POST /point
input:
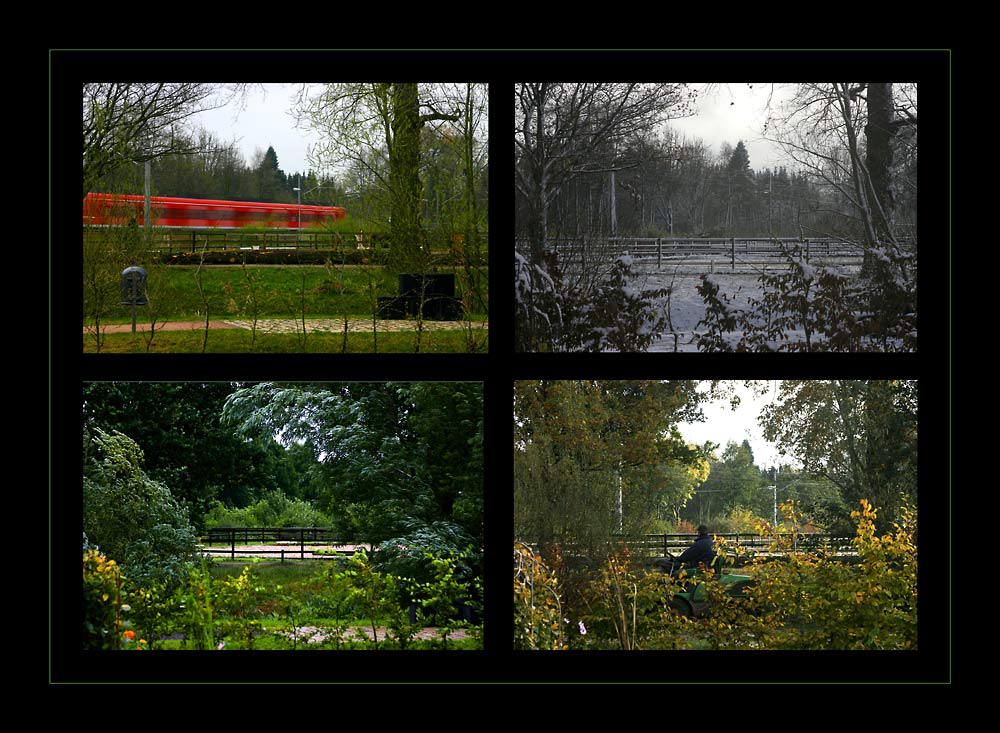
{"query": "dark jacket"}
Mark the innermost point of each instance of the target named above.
(701, 551)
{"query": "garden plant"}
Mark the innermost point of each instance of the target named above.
(808, 600)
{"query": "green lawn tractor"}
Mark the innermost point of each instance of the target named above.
(694, 599)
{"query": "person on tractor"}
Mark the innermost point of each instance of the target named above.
(702, 551)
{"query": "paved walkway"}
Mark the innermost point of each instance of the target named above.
(288, 325)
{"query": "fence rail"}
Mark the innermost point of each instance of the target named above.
(753, 545)
(300, 541)
(661, 544)
(734, 249)
(263, 535)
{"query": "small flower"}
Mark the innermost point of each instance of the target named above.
(130, 635)
(583, 629)
(221, 645)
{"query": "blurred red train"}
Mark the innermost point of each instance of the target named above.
(101, 209)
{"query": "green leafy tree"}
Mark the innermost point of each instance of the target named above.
(593, 460)
(861, 435)
(187, 447)
(377, 127)
(732, 481)
(395, 456)
(129, 516)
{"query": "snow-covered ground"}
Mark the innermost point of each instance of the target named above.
(686, 307)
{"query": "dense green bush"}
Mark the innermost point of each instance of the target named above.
(129, 516)
(274, 509)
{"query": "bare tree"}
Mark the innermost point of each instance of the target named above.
(126, 123)
(565, 130)
(845, 135)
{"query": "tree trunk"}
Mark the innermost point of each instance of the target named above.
(404, 179)
(878, 156)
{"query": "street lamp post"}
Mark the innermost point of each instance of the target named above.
(298, 191)
(774, 488)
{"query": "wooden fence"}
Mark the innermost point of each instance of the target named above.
(662, 544)
(754, 546)
(208, 240)
(265, 535)
(299, 541)
(734, 250)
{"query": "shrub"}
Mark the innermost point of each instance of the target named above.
(274, 509)
(876, 312)
(538, 620)
(101, 601)
(413, 554)
(820, 602)
(131, 517)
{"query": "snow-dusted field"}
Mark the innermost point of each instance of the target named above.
(686, 307)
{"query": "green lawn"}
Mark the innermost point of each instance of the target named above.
(269, 291)
(179, 293)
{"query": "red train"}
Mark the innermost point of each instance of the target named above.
(102, 209)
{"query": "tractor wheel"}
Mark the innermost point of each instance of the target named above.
(682, 606)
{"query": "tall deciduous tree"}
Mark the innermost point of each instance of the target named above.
(596, 460)
(861, 435)
(733, 481)
(377, 127)
(397, 457)
(565, 130)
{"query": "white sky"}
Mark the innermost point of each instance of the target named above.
(265, 121)
(722, 425)
(728, 113)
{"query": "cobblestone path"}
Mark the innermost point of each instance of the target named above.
(336, 325)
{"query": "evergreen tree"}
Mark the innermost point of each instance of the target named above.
(739, 161)
(269, 179)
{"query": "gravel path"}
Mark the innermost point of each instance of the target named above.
(291, 550)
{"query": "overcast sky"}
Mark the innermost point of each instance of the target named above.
(265, 121)
(726, 113)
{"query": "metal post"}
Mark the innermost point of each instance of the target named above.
(146, 224)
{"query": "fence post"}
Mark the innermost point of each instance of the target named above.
(232, 544)
(302, 544)
(659, 252)
(734, 253)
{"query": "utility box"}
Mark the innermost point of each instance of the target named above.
(134, 286)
